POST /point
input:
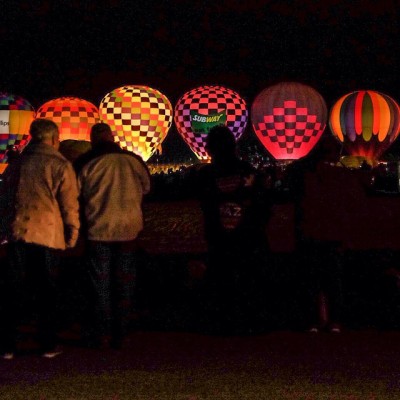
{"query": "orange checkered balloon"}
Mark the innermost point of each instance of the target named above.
(140, 118)
(74, 116)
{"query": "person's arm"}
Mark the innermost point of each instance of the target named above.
(69, 205)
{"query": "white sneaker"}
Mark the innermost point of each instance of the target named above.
(7, 356)
(52, 353)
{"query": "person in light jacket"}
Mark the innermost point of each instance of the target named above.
(112, 184)
(40, 215)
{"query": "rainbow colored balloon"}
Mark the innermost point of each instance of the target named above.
(16, 115)
(74, 116)
(365, 122)
(140, 118)
(289, 119)
(198, 110)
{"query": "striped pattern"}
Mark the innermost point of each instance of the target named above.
(366, 122)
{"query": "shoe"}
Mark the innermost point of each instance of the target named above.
(52, 353)
(335, 328)
(313, 329)
(7, 356)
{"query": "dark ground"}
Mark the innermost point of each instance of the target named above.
(175, 344)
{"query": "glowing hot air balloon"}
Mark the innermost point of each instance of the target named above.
(16, 115)
(74, 116)
(204, 107)
(289, 119)
(365, 122)
(140, 118)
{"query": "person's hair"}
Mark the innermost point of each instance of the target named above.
(220, 141)
(101, 132)
(43, 129)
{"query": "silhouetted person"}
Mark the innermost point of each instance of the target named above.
(112, 184)
(40, 207)
(318, 239)
(236, 209)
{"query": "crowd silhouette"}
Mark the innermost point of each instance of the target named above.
(235, 286)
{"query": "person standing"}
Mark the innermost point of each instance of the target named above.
(112, 184)
(40, 215)
(236, 205)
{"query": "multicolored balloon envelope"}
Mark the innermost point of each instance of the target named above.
(366, 122)
(139, 116)
(74, 116)
(16, 115)
(198, 110)
(289, 119)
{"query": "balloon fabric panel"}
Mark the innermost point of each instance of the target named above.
(203, 107)
(74, 116)
(366, 122)
(139, 116)
(16, 115)
(288, 119)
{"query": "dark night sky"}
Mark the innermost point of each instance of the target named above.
(85, 49)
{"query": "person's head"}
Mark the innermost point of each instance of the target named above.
(220, 142)
(100, 133)
(45, 131)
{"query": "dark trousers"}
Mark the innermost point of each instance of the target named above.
(112, 274)
(235, 281)
(29, 274)
(323, 272)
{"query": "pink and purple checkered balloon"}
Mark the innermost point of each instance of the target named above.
(198, 110)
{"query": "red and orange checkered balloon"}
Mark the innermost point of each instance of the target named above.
(74, 116)
(198, 110)
(16, 115)
(289, 119)
(139, 116)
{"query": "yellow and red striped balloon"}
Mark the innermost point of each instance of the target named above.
(74, 116)
(365, 122)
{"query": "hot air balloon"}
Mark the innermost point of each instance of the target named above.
(198, 110)
(365, 122)
(74, 116)
(289, 119)
(16, 115)
(140, 118)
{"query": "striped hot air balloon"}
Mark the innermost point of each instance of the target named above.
(289, 119)
(16, 115)
(198, 110)
(74, 116)
(365, 122)
(139, 116)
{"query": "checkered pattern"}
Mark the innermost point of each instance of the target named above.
(16, 115)
(139, 116)
(290, 126)
(289, 118)
(74, 117)
(209, 100)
